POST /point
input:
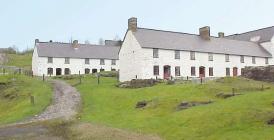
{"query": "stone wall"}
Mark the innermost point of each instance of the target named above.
(259, 73)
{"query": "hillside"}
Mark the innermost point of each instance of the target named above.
(20, 60)
(239, 117)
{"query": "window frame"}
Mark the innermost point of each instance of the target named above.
(156, 70)
(87, 61)
(113, 62)
(227, 58)
(242, 59)
(193, 71)
(177, 71)
(177, 54)
(253, 60)
(50, 60)
(210, 71)
(227, 71)
(266, 61)
(192, 55)
(67, 60)
(50, 71)
(210, 56)
(155, 53)
(102, 61)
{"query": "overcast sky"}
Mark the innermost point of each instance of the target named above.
(22, 21)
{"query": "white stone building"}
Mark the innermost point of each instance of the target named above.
(148, 53)
(53, 58)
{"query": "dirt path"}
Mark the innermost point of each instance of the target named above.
(66, 102)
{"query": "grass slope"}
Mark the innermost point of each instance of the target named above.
(20, 60)
(239, 117)
(14, 97)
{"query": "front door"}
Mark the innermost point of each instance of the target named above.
(202, 71)
(58, 71)
(235, 71)
(166, 72)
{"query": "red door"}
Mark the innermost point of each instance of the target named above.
(166, 72)
(202, 71)
(235, 71)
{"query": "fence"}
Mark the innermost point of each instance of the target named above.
(14, 70)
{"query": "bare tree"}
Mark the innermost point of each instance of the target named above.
(116, 38)
(101, 41)
(87, 42)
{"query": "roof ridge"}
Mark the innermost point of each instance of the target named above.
(249, 31)
(195, 34)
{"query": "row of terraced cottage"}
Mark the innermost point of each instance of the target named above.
(149, 53)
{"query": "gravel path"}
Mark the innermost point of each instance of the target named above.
(66, 102)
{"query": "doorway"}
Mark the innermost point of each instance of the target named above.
(94, 70)
(166, 72)
(235, 71)
(87, 71)
(202, 71)
(58, 71)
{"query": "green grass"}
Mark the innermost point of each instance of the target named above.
(15, 91)
(240, 117)
(20, 60)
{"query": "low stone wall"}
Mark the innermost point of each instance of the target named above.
(259, 73)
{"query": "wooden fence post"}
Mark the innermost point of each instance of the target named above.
(98, 78)
(233, 91)
(80, 78)
(32, 100)
(4, 71)
(43, 77)
(262, 87)
(201, 80)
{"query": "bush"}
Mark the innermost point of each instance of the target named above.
(109, 74)
(138, 83)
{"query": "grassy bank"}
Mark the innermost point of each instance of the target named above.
(15, 91)
(238, 117)
(20, 60)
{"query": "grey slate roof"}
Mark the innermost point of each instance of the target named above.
(265, 35)
(62, 50)
(150, 38)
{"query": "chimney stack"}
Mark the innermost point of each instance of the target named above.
(205, 33)
(50, 41)
(75, 44)
(36, 41)
(221, 34)
(132, 24)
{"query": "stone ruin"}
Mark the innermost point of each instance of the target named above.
(260, 73)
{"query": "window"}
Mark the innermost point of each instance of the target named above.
(242, 59)
(67, 71)
(210, 56)
(94, 70)
(211, 71)
(66, 60)
(102, 61)
(193, 72)
(266, 60)
(227, 58)
(155, 70)
(113, 62)
(227, 71)
(177, 54)
(50, 59)
(192, 55)
(177, 71)
(87, 71)
(50, 71)
(155, 53)
(253, 60)
(87, 61)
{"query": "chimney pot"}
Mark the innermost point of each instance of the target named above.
(75, 44)
(132, 24)
(221, 34)
(50, 40)
(36, 41)
(205, 32)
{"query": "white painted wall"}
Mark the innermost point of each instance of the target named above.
(137, 61)
(40, 65)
